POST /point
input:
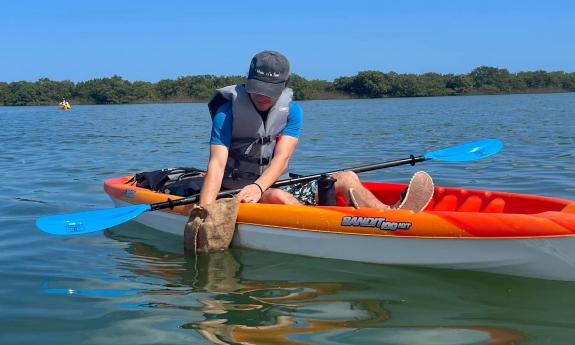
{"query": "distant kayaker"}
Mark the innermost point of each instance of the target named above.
(64, 104)
(255, 130)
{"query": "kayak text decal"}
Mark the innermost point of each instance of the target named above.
(72, 226)
(130, 193)
(374, 222)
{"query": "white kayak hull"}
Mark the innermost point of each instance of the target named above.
(547, 258)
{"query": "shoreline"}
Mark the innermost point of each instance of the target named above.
(483, 80)
(344, 98)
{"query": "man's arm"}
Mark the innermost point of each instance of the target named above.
(282, 154)
(213, 179)
(220, 142)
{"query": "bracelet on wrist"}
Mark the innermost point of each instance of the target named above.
(260, 187)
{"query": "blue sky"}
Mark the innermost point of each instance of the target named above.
(151, 40)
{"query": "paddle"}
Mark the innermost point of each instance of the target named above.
(96, 220)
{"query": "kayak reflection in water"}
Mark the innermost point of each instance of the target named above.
(255, 129)
(296, 313)
(286, 307)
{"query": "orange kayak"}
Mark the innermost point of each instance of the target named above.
(508, 233)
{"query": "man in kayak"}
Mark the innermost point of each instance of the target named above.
(64, 104)
(255, 130)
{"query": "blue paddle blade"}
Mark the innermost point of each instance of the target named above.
(467, 152)
(89, 221)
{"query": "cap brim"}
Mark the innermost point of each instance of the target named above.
(263, 88)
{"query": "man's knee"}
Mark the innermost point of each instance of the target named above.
(278, 196)
(345, 180)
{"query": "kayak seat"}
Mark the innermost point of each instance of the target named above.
(447, 203)
(496, 205)
(471, 204)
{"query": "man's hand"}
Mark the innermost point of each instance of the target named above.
(250, 193)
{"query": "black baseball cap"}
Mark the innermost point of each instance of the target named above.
(269, 71)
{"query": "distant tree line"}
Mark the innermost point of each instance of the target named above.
(366, 84)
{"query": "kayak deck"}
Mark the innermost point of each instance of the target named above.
(453, 213)
(497, 232)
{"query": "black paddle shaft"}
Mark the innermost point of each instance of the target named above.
(194, 198)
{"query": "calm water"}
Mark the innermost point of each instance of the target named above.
(132, 285)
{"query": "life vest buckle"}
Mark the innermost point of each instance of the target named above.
(235, 174)
(265, 140)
